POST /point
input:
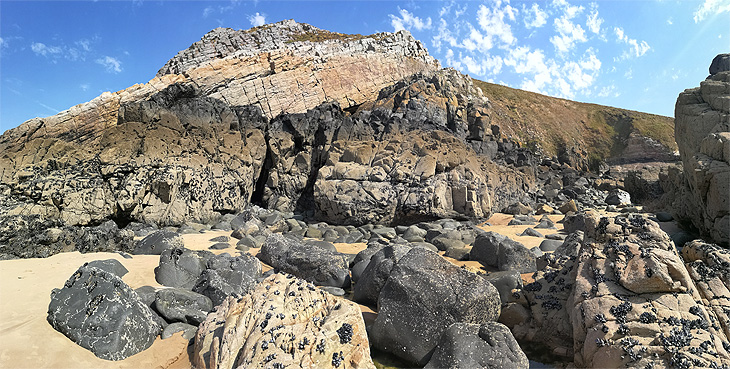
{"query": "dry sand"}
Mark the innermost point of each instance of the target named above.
(28, 341)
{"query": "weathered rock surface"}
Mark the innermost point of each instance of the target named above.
(501, 252)
(702, 131)
(315, 264)
(623, 297)
(180, 267)
(424, 295)
(98, 311)
(283, 322)
(181, 305)
(489, 345)
(158, 242)
(373, 278)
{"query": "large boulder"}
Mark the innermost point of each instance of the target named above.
(502, 252)
(489, 345)
(284, 322)
(156, 243)
(180, 305)
(423, 296)
(99, 312)
(313, 263)
(373, 278)
(702, 132)
(226, 276)
(180, 267)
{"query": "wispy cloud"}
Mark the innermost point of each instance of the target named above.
(594, 22)
(408, 21)
(111, 64)
(494, 21)
(711, 8)
(84, 86)
(257, 19)
(42, 49)
(636, 48)
(534, 17)
(568, 33)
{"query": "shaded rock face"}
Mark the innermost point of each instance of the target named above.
(627, 298)
(424, 295)
(489, 345)
(285, 321)
(702, 131)
(99, 312)
(32, 236)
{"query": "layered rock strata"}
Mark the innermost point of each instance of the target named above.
(702, 131)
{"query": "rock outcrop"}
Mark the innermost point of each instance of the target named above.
(624, 297)
(702, 131)
(283, 322)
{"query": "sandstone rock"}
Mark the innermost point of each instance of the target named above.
(99, 312)
(489, 345)
(702, 133)
(568, 207)
(423, 296)
(284, 321)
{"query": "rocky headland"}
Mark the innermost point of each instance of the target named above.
(287, 196)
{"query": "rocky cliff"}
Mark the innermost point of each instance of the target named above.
(217, 135)
(702, 125)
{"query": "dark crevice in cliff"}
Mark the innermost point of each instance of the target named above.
(257, 197)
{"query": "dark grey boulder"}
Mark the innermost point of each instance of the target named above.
(228, 276)
(218, 284)
(220, 239)
(110, 265)
(618, 197)
(490, 345)
(550, 245)
(531, 232)
(319, 266)
(414, 234)
(503, 253)
(368, 286)
(219, 246)
(423, 296)
(664, 217)
(180, 305)
(362, 259)
(545, 223)
(555, 236)
(157, 242)
(448, 240)
(147, 294)
(720, 63)
(322, 244)
(180, 267)
(505, 282)
(458, 253)
(187, 329)
(99, 312)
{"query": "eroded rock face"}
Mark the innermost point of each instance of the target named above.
(702, 132)
(99, 312)
(489, 345)
(285, 321)
(627, 299)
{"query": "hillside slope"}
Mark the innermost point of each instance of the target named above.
(577, 131)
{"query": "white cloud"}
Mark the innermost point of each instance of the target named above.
(492, 21)
(594, 22)
(112, 65)
(208, 11)
(534, 16)
(41, 49)
(257, 19)
(443, 34)
(711, 8)
(84, 44)
(408, 21)
(607, 91)
(670, 21)
(636, 48)
(569, 33)
(84, 86)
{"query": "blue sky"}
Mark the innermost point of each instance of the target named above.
(631, 54)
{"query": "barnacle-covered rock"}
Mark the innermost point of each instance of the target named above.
(284, 322)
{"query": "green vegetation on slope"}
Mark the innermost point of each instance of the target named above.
(554, 124)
